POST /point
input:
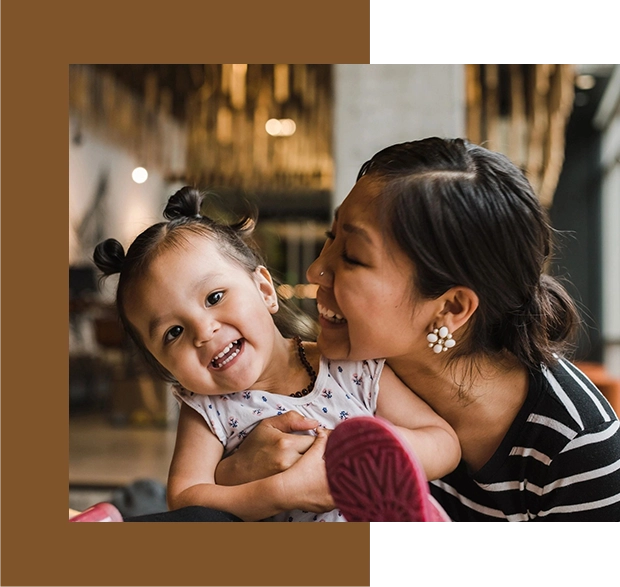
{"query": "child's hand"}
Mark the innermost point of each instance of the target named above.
(305, 483)
(269, 449)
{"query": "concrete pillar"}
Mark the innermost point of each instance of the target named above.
(607, 119)
(379, 105)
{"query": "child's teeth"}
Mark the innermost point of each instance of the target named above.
(219, 365)
(226, 350)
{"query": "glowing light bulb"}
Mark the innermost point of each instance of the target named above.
(585, 81)
(284, 127)
(273, 127)
(139, 175)
(288, 127)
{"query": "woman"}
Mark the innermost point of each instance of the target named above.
(435, 261)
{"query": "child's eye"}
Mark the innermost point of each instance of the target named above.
(330, 235)
(214, 298)
(173, 333)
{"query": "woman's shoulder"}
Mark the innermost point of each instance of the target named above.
(572, 398)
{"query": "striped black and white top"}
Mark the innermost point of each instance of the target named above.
(560, 460)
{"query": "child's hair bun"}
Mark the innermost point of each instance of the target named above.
(109, 256)
(184, 204)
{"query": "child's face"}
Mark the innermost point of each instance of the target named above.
(367, 280)
(205, 319)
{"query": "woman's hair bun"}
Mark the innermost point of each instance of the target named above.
(185, 203)
(109, 256)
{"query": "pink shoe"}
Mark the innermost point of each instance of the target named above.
(374, 476)
(100, 512)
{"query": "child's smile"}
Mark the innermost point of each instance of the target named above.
(229, 354)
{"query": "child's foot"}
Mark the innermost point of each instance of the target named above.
(374, 477)
(100, 512)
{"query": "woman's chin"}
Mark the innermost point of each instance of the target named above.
(333, 347)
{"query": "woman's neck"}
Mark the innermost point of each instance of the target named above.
(479, 401)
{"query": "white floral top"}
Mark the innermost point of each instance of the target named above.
(343, 389)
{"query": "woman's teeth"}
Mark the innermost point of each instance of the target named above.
(330, 315)
(216, 360)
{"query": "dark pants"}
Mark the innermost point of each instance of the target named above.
(192, 513)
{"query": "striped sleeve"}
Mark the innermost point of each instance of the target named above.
(560, 460)
(583, 480)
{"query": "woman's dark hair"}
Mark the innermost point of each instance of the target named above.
(183, 214)
(467, 216)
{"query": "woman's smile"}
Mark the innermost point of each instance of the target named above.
(364, 283)
(329, 316)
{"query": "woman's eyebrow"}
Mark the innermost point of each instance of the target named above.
(352, 228)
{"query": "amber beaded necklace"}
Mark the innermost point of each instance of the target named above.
(304, 361)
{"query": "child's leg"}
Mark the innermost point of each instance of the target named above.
(374, 476)
(106, 512)
(187, 514)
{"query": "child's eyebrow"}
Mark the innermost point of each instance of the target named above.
(154, 325)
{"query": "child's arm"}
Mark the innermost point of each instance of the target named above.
(432, 439)
(267, 450)
(191, 479)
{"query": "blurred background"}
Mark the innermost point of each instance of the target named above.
(289, 140)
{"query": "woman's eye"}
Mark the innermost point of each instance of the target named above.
(173, 333)
(214, 298)
(350, 260)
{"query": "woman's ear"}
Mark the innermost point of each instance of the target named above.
(459, 304)
(265, 285)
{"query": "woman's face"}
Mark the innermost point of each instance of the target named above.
(365, 297)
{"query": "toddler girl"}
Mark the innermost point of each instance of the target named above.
(195, 297)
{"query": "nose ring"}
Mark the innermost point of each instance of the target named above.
(322, 273)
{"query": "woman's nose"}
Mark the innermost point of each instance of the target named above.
(317, 272)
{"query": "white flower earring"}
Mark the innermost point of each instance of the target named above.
(440, 339)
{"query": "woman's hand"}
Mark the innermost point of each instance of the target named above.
(269, 449)
(304, 485)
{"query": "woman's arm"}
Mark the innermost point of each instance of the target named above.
(192, 482)
(432, 439)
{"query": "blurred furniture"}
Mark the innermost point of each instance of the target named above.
(107, 373)
(609, 386)
(136, 396)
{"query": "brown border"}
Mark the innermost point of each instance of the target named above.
(39, 42)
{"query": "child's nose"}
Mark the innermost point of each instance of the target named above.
(204, 331)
